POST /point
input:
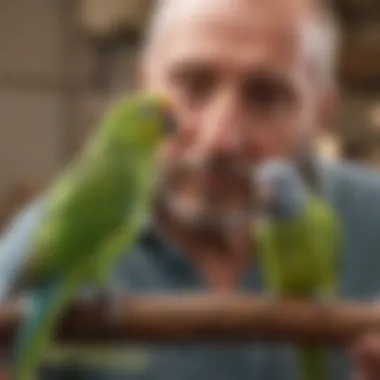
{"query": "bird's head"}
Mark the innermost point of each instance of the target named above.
(141, 121)
(282, 192)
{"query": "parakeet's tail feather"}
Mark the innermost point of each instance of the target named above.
(45, 307)
(313, 363)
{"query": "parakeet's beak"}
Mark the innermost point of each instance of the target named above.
(166, 102)
(163, 102)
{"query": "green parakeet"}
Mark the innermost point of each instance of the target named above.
(93, 213)
(298, 242)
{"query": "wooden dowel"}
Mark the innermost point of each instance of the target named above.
(223, 318)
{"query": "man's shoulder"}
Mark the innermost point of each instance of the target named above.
(354, 187)
(355, 178)
(356, 173)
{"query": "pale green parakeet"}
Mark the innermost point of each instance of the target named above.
(298, 242)
(93, 213)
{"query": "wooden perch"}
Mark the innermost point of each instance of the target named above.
(189, 318)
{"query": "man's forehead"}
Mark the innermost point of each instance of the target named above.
(239, 18)
(214, 27)
(198, 48)
(183, 10)
(191, 5)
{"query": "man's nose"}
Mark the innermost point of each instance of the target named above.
(220, 131)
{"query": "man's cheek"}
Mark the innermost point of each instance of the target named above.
(265, 144)
(172, 148)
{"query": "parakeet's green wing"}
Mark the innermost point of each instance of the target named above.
(328, 241)
(268, 260)
(73, 229)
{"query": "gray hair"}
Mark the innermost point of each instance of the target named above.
(322, 40)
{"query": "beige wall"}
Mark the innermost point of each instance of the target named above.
(39, 120)
(31, 104)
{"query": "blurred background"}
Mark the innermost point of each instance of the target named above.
(61, 61)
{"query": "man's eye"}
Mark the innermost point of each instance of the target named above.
(267, 96)
(196, 84)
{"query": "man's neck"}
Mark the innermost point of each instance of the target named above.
(221, 258)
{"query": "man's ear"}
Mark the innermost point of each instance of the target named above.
(327, 143)
(328, 110)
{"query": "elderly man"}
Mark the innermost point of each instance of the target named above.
(250, 79)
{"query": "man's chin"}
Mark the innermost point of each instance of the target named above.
(201, 216)
(189, 213)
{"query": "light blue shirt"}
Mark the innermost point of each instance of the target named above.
(156, 266)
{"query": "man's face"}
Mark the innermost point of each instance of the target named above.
(243, 91)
